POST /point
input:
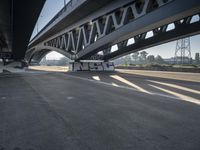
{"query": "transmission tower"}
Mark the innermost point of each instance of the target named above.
(183, 51)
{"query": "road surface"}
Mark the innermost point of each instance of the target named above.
(98, 111)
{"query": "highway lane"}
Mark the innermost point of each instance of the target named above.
(98, 111)
(163, 85)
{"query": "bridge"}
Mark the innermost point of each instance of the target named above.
(96, 110)
(88, 30)
(17, 20)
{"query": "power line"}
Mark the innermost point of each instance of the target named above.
(182, 51)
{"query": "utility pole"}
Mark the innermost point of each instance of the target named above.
(182, 51)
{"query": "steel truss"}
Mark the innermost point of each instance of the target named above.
(80, 38)
(94, 39)
(182, 51)
(173, 31)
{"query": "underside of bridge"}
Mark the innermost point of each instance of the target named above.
(146, 22)
(17, 21)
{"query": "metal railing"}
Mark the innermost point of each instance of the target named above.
(63, 10)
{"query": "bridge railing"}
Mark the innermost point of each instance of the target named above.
(63, 10)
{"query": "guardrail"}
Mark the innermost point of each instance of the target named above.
(63, 10)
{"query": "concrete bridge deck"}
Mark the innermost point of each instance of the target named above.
(98, 111)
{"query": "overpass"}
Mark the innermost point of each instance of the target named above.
(89, 29)
(17, 20)
(121, 110)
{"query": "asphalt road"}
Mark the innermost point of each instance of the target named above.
(98, 111)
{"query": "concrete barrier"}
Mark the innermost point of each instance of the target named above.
(91, 66)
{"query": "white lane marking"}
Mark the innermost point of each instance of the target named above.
(122, 87)
(114, 84)
(116, 77)
(96, 78)
(69, 98)
(176, 86)
(180, 96)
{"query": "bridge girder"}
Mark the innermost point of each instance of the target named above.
(133, 19)
(182, 28)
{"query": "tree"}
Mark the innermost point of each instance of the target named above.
(151, 59)
(159, 59)
(143, 55)
(135, 56)
(127, 60)
(197, 58)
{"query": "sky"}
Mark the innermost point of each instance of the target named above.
(52, 7)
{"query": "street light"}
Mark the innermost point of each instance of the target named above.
(64, 2)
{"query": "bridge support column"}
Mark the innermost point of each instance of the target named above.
(91, 66)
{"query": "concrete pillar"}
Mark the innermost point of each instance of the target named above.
(91, 66)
